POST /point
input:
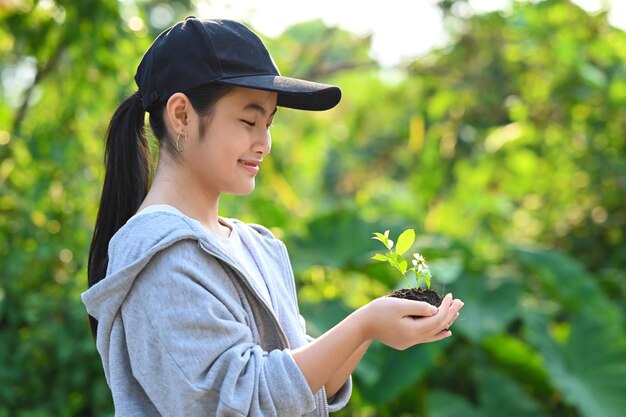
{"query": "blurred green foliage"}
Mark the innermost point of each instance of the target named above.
(505, 151)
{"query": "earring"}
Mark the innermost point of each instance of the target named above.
(178, 142)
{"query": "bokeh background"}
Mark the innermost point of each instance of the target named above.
(503, 146)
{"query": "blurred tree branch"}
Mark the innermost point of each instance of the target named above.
(43, 69)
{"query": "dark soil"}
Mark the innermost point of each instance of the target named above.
(418, 294)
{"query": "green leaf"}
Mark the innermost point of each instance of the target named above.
(379, 236)
(337, 238)
(403, 266)
(398, 261)
(384, 373)
(499, 395)
(380, 257)
(394, 259)
(516, 357)
(593, 75)
(565, 280)
(588, 366)
(446, 404)
(489, 306)
(383, 238)
(502, 396)
(396, 265)
(405, 241)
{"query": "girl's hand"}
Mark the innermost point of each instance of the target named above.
(400, 323)
(393, 321)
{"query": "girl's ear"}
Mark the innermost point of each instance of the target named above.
(178, 112)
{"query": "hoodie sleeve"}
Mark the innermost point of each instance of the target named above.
(191, 349)
(341, 397)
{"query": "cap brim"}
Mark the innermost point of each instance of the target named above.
(292, 92)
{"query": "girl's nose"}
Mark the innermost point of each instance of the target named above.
(263, 145)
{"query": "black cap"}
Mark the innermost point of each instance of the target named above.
(197, 52)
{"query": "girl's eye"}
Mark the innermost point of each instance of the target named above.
(252, 124)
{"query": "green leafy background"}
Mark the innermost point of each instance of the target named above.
(505, 150)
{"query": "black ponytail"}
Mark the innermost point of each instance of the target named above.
(127, 161)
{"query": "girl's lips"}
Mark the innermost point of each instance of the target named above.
(252, 166)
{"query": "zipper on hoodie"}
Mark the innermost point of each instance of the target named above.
(253, 290)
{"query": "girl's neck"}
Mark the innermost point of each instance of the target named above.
(171, 188)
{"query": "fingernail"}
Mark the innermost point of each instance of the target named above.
(433, 309)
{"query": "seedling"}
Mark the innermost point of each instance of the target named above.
(395, 257)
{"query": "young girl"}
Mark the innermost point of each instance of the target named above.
(196, 314)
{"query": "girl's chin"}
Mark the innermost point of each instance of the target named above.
(244, 190)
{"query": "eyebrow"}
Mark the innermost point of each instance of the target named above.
(258, 108)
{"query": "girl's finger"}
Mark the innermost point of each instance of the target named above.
(413, 308)
(445, 303)
(451, 322)
(434, 324)
(453, 313)
(441, 335)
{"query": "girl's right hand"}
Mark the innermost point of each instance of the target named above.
(393, 321)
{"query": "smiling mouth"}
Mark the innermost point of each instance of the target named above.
(248, 163)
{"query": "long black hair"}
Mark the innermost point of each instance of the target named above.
(128, 167)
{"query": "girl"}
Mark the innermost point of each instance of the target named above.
(196, 314)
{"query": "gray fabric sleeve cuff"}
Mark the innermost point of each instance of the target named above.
(341, 397)
(281, 364)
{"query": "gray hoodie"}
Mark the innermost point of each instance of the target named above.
(183, 332)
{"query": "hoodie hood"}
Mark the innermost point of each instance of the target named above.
(134, 245)
(130, 249)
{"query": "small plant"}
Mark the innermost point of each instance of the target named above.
(396, 257)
